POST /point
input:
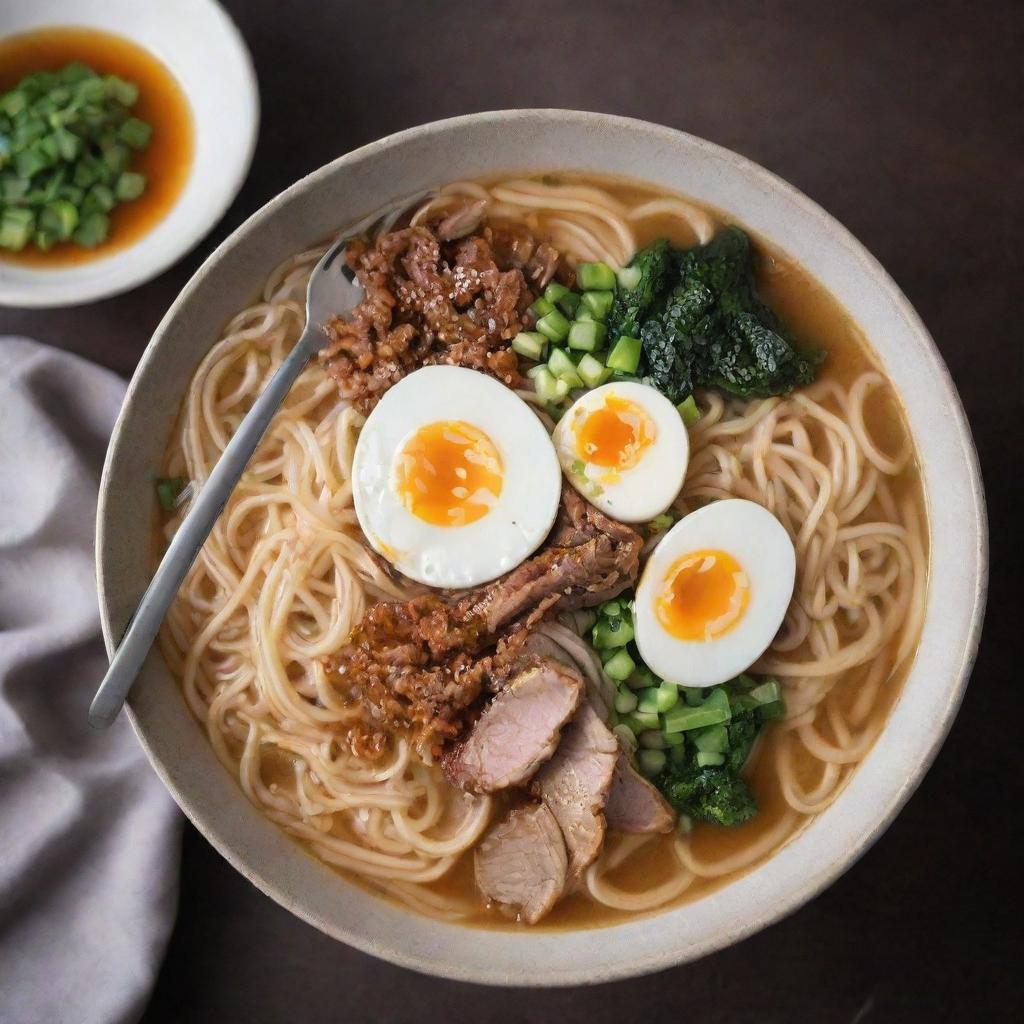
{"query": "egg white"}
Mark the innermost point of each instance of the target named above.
(645, 490)
(456, 556)
(759, 542)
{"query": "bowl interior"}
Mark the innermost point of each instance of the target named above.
(342, 192)
(199, 44)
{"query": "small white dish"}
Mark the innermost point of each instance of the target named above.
(204, 51)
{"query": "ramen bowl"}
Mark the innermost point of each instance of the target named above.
(343, 192)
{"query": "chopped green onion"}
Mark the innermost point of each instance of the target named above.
(611, 633)
(620, 666)
(711, 739)
(126, 93)
(553, 325)
(598, 304)
(714, 710)
(625, 701)
(92, 229)
(641, 721)
(652, 739)
(541, 307)
(625, 356)
(586, 335)
(16, 226)
(135, 133)
(167, 491)
(564, 368)
(554, 292)
(677, 754)
(611, 608)
(129, 186)
(569, 303)
(595, 277)
(652, 762)
(674, 739)
(546, 385)
(707, 758)
(592, 370)
(693, 695)
(530, 344)
(662, 522)
(628, 278)
(667, 696)
(767, 693)
(689, 411)
(60, 218)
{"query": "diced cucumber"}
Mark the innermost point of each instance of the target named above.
(625, 355)
(530, 344)
(674, 739)
(647, 700)
(595, 277)
(586, 335)
(667, 696)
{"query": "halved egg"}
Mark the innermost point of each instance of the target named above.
(455, 480)
(624, 447)
(714, 593)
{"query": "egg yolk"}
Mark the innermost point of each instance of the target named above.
(614, 435)
(449, 473)
(705, 594)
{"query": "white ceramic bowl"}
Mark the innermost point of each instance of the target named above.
(204, 51)
(401, 164)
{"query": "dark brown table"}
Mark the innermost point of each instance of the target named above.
(905, 121)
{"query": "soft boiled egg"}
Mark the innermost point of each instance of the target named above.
(714, 593)
(624, 447)
(455, 480)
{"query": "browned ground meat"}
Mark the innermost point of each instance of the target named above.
(423, 664)
(434, 300)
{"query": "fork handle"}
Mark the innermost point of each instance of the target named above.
(192, 534)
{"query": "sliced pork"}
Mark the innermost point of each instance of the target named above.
(633, 804)
(521, 864)
(425, 664)
(518, 730)
(575, 784)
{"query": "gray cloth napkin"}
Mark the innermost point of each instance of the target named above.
(89, 839)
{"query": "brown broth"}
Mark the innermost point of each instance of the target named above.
(165, 162)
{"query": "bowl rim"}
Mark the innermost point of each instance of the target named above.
(34, 291)
(960, 662)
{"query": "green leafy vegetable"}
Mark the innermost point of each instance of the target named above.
(715, 793)
(702, 323)
(167, 491)
(631, 305)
